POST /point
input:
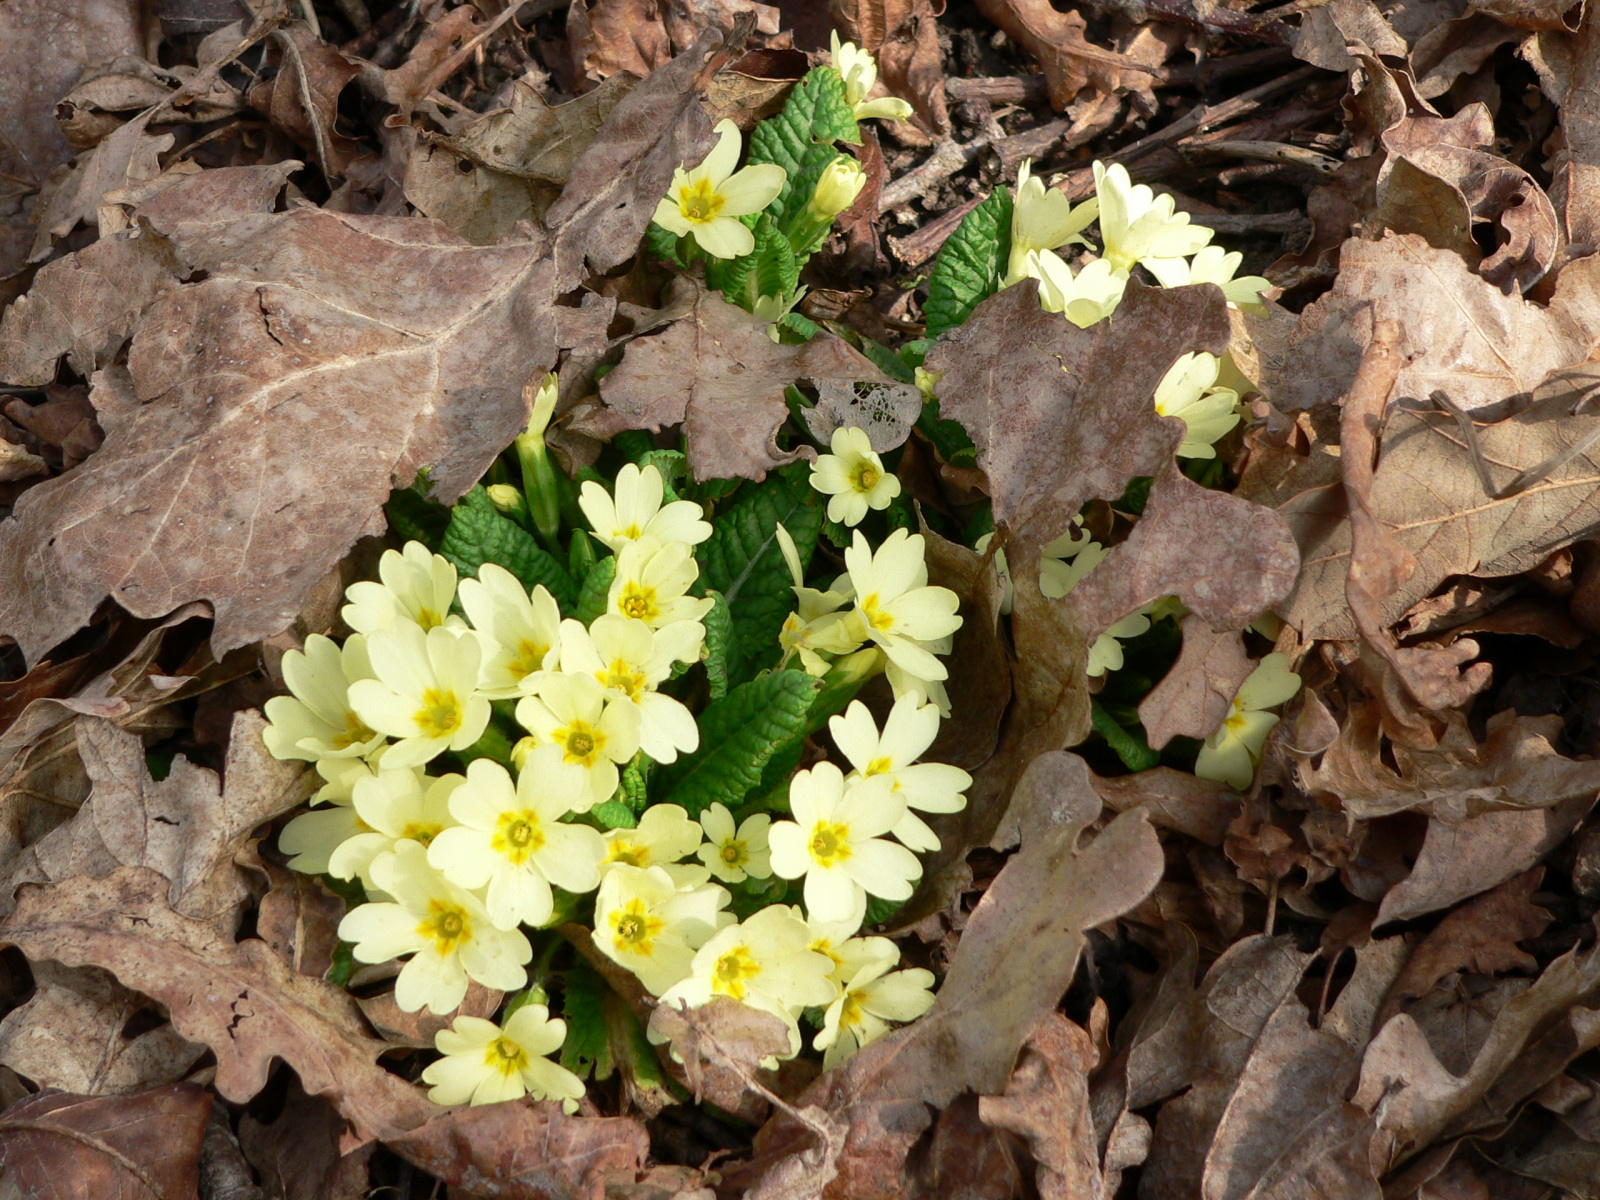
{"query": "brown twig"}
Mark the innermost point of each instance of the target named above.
(1032, 90)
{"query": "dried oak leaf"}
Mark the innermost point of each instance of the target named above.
(716, 372)
(297, 1154)
(250, 1008)
(319, 345)
(1427, 492)
(1193, 697)
(1416, 1099)
(302, 99)
(1569, 73)
(1046, 1103)
(1057, 41)
(994, 993)
(144, 1146)
(43, 50)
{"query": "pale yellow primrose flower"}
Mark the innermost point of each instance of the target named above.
(652, 584)
(664, 836)
(1188, 391)
(1231, 752)
(518, 630)
(630, 660)
(1084, 299)
(847, 953)
(1138, 226)
(900, 611)
(735, 855)
(1042, 219)
(646, 922)
(418, 585)
(1052, 558)
(636, 511)
(312, 838)
(860, 72)
(708, 201)
(1212, 264)
(763, 962)
(1057, 578)
(853, 476)
(864, 1007)
(595, 732)
(485, 1064)
(817, 627)
(510, 838)
(445, 929)
(834, 842)
(837, 187)
(907, 734)
(317, 722)
(396, 804)
(425, 694)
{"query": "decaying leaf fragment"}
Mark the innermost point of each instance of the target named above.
(715, 371)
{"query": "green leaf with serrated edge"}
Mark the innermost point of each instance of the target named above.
(804, 326)
(816, 111)
(743, 561)
(478, 533)
(776, 271)
(416, 518)
(885, 359)
(730, 276)
(663, 243)
(949, 438)
(970, 264)
(634, 787)
(596, 587)
(719, 634)
(588, 1044)
(614, 814)
(1128, 744)
(738, 736)
(714, 490)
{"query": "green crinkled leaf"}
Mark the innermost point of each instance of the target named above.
(880, 910)
(1128, 744)
(739, 735)
(789, 209)
(970, 264)
(596, 587)
(614, 814)
(719, 634)
(949, 438)
(742, 560)
(635, 443)
(803, 325)
(416, 518)
(776, 271)
(674, 469)
(634, 787)
(478, 533)
(663, 243)
(885, 359)
(588, 1044)
(816, 111)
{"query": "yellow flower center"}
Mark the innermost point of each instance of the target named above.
(624, 678)
(830, 844)
(699, 202)
(880, 620)
(518, 836)
(429, 619)
(580, 743)
(732, 971)
(633, 533)
(355, 732)
(505, 1056)
(638, 602)
(528, 659)
(850, 1010)
(446, 926)
(629, 853)
(733, 853)
(634, 929)
(440, 714)
(421, 831)
(879, 766)
(864, 477)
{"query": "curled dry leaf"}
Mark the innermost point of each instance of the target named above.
(1569, 71)
(715, 371)
(1057, 41)
(731, 1035)
(1193, 697)
(302, 99)
(250, 1008)
(144, 1146)
(1046, 1103)
(223, 432)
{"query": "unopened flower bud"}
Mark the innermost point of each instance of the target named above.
(505, 498)
(539, 481)
(841, 182)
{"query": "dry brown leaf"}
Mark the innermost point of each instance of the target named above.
(611, 36)
(1414, 1098)
(1481, 937)
(302, 98)
(144, 1146)
(1569, 71)
(717, 373)
(1193, 697)
(43, 50)
(1331, 34)
(251, 1008)
(904, 36)
(70, 1036)
(1057, 41)
(725, 1034)
(1173, 799)
(297, 1154)
(1046, 1103)
(978, 658)
(130, 156)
